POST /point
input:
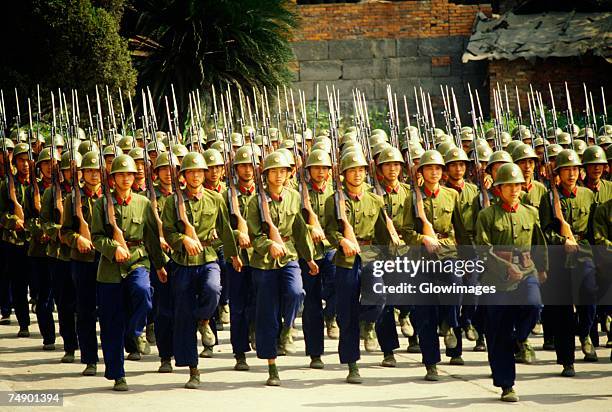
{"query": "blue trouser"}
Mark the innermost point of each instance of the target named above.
(242, 309)
(225, 278)
(508, 324)
(65, 298)
(163, 312)
(15, 257)
(279, 295)
(5, 284)
(350, 312)
(195, 291)
(328, 287)
(386, 331)
(44, 298)
(122, 309)
(84, 278)
(312, 314)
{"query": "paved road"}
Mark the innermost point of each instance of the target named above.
(24, 366)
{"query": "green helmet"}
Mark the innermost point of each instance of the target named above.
(594, 155)
(126, 143)
(137, 153)
(376, 150)
(248, 130)
(585, 134)
(58, 140)
(196, 161)
(564, 138)
(579, 146)
(351, 129)
(288, 154)
(377, 139)
(213, 158)
(160, 146)
(37, 138)
(567, 158)
(322, 139)
(517, 130)
(260, 140)
(8, 143)
(513, 145)
(603, 140)
(352, 159)
(163, 160)
(139, 134)
(275, 160)
(479, 142)
(552, 132)
(219, 146)
(179, 150)
(112, 151)
(500, 156)
(490, 134)
(87, 146)
(484, 153)
(508, 173)
(609, 153)
(416, 152)
(321, 146)
(45, 155)
(20, 148)
(438, 132)
(575, 130)
(380, 132)
(91, 160)
(431, 157)
(257, 151)
(505, 139)
(468, 128)
(275, 134)
(287, 144)
(552, 150)
(445, 147)
(413, 132)
(348, 138)
(236, 139)
(524, 151)
(66, 157)
(467, 135)
(390, 155)
(540, 141)
(525, 134)
(308, 134)
(605, 129)
(443, 138)
(23, 136)
(244, 155)
(159, 135)
(318, 158)
(297, 138)
(454, 154)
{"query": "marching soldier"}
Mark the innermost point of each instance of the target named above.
(514, 227)
(527, 160)
(140, 184)
(123, 286)
(279, 288)
(84, 259)
(196, 273)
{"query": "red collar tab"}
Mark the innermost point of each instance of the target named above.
(392, 189)
(509, 208)
(123, 202)
(319, 189)
(246, 190)
(459, 188)
(164, 191)
(355, 196)
(277, 197)
(593, 187)
(198, 195)
(527, 187)
(566, 193)
(213, 188)
(429, 193)
(90, 194)
(138, 188)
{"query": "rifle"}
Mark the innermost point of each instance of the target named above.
(484, 196)
(32, 165)
(570, 114)
(122, 115)
(588, 111)
(17, 208)
(107, 204)
(190, 230)
(518, 105)
(56, 177)
(77, 205)
(553, 110)
(605, 109)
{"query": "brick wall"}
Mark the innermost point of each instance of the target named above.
(371, 44)
(594, 71)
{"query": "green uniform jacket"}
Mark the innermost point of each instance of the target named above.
(367, 219)
(286, 214)
(602, 235)
(243, 202)
(468, 194)
(207, 214)
(603, 193)
(7, 216)
(51, 225)
(317, 202)
(516, 231)
(533, 196)
(444, 213)
(70, 227)
(138, 224)
(577, 212)
(37, 247)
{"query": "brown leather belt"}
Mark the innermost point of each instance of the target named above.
(133, 243)
(442, 235)
(364, 242)
(286, 238)
(524, 258)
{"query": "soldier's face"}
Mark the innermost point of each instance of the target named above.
(510, 193)
(276, 177)
(355, 176)
(569, 175)
(164, 175)
(540, 152)
(456, 170)
(527, 166)
(213, 174)
(67, 175)
(153, 156)
(21, 163)
(45, 169)
(108, 162)
(245, 172)
(594, 172)
(318, 174)
(465, 145)
(124, 180)
(140, 168)
(91, 176)
(391, 171)
(432, 173)
(194, 178)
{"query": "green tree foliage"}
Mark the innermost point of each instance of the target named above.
(63, 44)
(196, 43)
